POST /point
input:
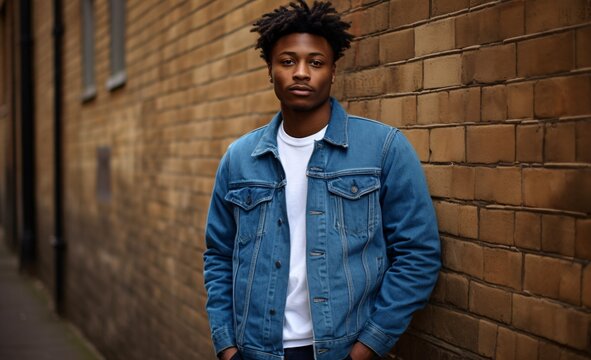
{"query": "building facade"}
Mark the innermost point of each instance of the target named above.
(114, 115)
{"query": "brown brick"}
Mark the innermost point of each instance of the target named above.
(506, 344)
(563, 96)
(423, 320)
(447, 216)
(490, 302)
(528, 230)
(440, 7)
(583, 239)
(490, 24)
(447, 144)
(586, 291)
(368, 20)
(497, 226)
(443, 71)
(487, 338)
(554, 278)
(404, 12)
(526, 347)
(583, 140)
(462, 256)
(552, 321)
(419, 138)
(565, 354)
(396, 46)
(545, 55)
(438, 294)
(367, 52)
(468, 221)
(399, 111)
(494, 103)
(456, 327)
(491, 144)
(512, 19)
(464, 105)
(366, 108)
(438, 180)
(558, 234)
(405, 77)
(560, 144)
(583, 39)
(428, 108)
(366, 83)
(520, 100)
(502, 267)
(549, 351)
(462, 182)
(456, 290)
(500, 185)
(543, 15)
(489, 64)
(530, 140)
(557, 189)
(434, 37)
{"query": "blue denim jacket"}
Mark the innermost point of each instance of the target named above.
(373, 249)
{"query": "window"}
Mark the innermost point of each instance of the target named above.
(88, 82)
(117, 13)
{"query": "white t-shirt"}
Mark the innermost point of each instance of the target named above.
(295, 154)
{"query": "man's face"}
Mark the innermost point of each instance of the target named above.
(302, 70)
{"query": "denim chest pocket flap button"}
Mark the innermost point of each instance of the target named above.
(354, 187)
(249, 197)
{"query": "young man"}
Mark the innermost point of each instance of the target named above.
(321, 236)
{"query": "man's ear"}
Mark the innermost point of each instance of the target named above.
(270, 72)
(334, 70)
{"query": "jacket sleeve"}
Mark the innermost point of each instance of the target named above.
(220, 232)
(412, 241)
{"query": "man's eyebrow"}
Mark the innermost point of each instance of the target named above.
(293, 53)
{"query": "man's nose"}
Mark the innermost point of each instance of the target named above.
(301, 72)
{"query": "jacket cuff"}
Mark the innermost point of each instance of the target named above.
(222, 338)
(376, 339)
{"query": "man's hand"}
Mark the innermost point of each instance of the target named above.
(361, 352)
(228, 353)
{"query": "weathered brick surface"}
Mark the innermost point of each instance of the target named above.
(447, 144)
(493, 95)
(434, 37)
(546, 55)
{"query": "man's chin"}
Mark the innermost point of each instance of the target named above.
(302, 106)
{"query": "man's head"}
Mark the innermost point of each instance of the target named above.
(320, 19)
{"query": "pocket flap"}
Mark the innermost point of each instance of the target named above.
(353, 187)
(249, 197)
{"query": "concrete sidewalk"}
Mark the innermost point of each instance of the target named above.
(29, 330)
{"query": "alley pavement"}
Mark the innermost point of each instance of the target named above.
(29, 330)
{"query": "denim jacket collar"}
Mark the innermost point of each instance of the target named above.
(336, 133)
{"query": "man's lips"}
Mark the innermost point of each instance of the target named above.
(300, 89)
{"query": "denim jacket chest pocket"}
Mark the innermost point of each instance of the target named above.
(355, 203)
(250, 206)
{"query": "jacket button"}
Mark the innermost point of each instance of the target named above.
(354, 189)
(272, 311)
(277, 264)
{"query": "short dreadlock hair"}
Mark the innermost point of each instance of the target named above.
(321, 19)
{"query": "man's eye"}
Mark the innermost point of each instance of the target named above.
(287, 62)
(316, 63)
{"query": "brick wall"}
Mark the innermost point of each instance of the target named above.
(496, 98)
(494, 95)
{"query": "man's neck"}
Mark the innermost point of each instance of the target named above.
(300, 124)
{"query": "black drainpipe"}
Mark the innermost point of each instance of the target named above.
(28, 241)
(58, 242)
